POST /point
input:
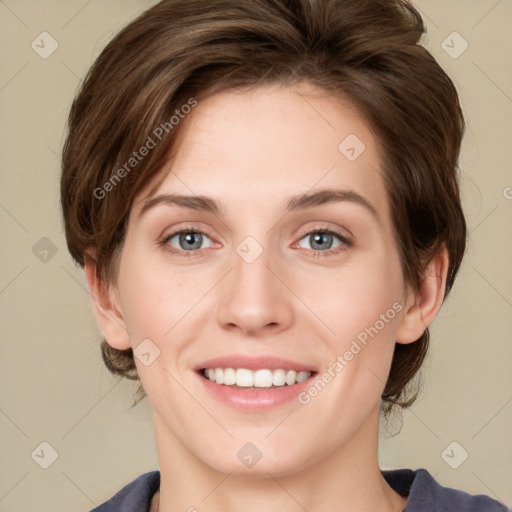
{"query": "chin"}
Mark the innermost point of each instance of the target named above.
(252, 459)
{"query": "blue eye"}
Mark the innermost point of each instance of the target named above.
(321, 242)
(188, 240)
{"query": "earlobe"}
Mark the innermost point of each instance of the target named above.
(422, 305)
(108, 315)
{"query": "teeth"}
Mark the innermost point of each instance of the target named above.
(229, 376)
(291, 377)
(279, 378)
(259, 379)
(219, 376)
(302, 376)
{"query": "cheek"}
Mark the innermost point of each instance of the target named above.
(362, 307)
(336, 304)
(354, 298)
(153, 299)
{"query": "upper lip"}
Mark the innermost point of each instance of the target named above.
(253, 363)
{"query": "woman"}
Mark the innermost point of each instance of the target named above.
(213, 149)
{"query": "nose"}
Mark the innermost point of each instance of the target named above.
(255, 299)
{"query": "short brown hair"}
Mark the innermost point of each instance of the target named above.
(366, 51)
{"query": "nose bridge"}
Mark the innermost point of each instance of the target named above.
(254, 297)
(252, 280)
(253, 260)
(254, 253)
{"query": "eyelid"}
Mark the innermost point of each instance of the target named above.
(186, 229)
(319, 226)
(195, 228)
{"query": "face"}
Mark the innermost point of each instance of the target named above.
(283, 260)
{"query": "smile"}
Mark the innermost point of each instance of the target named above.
(257, 390)
(244, 378)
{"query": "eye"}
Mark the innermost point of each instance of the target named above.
(186, 240)
(189, 242)
(323, 242)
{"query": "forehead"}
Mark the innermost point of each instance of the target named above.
(264, 145)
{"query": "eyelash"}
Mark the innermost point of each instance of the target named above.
(198, 252)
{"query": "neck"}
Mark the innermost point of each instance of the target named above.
(348, 479)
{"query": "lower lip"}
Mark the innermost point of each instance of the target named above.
(255, 400)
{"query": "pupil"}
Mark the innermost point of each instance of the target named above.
(318, 238)
(189, 239)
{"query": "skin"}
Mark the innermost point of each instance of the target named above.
(252, 151)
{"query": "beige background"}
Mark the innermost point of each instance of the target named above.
(54, 387)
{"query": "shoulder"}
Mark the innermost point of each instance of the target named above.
(133, 497)
(428, 495)
(425, 494)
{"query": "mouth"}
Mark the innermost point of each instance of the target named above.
(254, 380)
(248, 384)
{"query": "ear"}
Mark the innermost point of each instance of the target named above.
(107, 312)
(422, 305)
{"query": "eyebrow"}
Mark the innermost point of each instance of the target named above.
(294, 203)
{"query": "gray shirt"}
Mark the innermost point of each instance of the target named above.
(425, 494)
